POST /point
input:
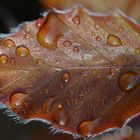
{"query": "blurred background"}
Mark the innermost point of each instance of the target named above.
(17, 11)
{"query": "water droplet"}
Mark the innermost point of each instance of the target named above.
(137, 51)
(121, 28)
(96, 26)
(129, 81)
(9, 43)
(85, 128)
(98, 38)
(12, 61)
(93, 33)
(113, 71)
(76, 20)
(40, 21)
(114, 41)
(50, 32)
(28, 35)
(76, 49)
(60, 116)
(67, 43)
(66, 77)
(3, 59)
(47, 106)
(16, 98)
(22, 51)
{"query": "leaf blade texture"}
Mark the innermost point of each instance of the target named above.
(78, 71)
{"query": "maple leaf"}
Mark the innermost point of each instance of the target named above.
(76, 70)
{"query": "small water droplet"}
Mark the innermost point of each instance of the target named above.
(3, 59)
(12, 61)
(16, 98)
(67, 43)
(137, 51)
(66, 77)
(76, 20)
(96, 26)
(113, 71)
(76, 49)
(121, 28)
(60, 116)
(129, 81)
(114, 41)
(98, 38)
(28, 35)
(40, 21)
(9, 43)
(22, 51)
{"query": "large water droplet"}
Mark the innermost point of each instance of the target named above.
(16, 98)
(61, 116)
(114, 41)
(129, 81)
(66, 77)
(9, 43)
(50, 32)
(76, 20)
(3, 59)
(22, 51)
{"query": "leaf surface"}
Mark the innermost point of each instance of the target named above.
(77, 70)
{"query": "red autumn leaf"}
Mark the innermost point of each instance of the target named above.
(76, 70)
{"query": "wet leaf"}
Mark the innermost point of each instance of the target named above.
(78, 71)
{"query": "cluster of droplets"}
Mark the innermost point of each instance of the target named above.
(20, 51)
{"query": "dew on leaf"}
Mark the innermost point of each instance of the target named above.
(50, 32)
(114, 41)
(16, 98)
(129, 81)
(60, 116)
(96, 26)
(9, 43)
(76, 20)
(22, 51)
(66, 77)
(137, 51)
(12, 61)
(98, 38)
(93, 33)
(121, 28)
(67, 43)
(3, 59)
(76, 49)
(28, 35)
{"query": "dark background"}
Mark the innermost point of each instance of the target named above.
(16, 11)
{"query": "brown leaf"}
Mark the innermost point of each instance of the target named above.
(77, 70)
